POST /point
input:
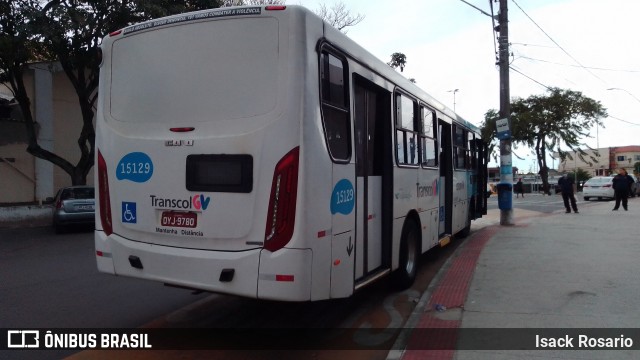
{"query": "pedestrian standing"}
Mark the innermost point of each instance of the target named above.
(519, 188)
(622, 187)
(566, 186)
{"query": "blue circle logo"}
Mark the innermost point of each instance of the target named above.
(135, 166)
(343, 198)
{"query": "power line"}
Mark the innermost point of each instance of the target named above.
(558, 45)
(624, 121)
(548, 88)
(529, 77)
(586, 67)
(493, 20)
(533, 45)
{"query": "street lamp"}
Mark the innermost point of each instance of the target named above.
(454, 91)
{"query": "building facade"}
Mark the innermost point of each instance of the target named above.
(603, 161)
(54, 105)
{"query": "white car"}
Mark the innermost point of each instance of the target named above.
(598, 187)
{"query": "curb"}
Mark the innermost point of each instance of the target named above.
(438, 292)
(26, 216)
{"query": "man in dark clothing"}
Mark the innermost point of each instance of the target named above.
(566, 186)
(519, 188)
(622, 186)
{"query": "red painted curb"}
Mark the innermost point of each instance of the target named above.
(450, 293)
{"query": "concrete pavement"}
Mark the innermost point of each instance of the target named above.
(575, 273)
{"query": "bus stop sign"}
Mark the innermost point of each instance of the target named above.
(502, 126)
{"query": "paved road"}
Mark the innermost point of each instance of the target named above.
(51, 281)
(541, 203)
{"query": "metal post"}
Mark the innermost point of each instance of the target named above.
(454, 91)
(506, 169)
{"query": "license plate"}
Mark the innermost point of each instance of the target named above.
(179, 219)
(85, 207)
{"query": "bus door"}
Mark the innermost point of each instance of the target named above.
(445, 216)
(481, 177)
(372, 138)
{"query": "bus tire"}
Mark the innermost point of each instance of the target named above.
(405, 275)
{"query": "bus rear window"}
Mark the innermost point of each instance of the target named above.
(196, 72)
(220, 173)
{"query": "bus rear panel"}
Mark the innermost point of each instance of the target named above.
(199, 152)
(257, 151)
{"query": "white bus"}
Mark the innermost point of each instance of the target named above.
(258, 151)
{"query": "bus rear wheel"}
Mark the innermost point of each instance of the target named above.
(405, 275)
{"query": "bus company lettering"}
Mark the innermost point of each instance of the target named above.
(193, 17)
(196, 202)
(427, 190)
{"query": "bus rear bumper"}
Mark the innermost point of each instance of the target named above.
(257, 273)
(285, 275)
(191, 268)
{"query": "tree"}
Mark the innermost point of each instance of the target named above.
(398, 60)
(581, 177)
(339, 16)
(18, 47)
(548, 122)
(69, 32)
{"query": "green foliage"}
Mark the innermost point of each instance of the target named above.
(398, 60)
(69, 32)
(582, 175)
(548, 123)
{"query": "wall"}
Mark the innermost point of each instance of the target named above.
(16, 178)
(54, 105)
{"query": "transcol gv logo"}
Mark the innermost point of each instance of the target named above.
(427, 190)
(195, 202)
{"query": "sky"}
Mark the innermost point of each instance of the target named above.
(582, 45)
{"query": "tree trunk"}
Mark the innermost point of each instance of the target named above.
(544, 173)
(33, 148)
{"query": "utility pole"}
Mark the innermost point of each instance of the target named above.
(506, 168)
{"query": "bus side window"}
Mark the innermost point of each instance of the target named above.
(428, 146)
(406, 134)
(473, 152)
(461, 152)
(335, 106)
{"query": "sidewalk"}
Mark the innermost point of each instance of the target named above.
(573, 273)
(26, 216)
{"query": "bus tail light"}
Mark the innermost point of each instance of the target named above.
(103, 193)
(282, 202)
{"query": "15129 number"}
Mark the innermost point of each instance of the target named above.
(135, 168)
(344, 196)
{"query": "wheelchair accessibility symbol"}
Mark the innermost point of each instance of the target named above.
(129, 212)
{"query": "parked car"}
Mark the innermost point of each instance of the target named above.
(598, 187)
(74, 205)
